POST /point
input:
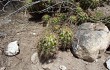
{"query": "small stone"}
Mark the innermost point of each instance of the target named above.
(34, 33)
(2, 34)
(34, 58)
(2, 68)
(12, 49)
(108, 64)
(62, 67)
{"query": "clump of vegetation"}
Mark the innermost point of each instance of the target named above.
(54, 20)
(82, 17)
(29, 1)
(65, 37)
(106, 21)
(62, 16)
(97, 16)
(48, 45)
(73, 19)
(78, 10)
(85, 4)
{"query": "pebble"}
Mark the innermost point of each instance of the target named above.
(34, 33)
(62, 67)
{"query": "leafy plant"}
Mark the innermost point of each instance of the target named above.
(65, 37)
(48, 45)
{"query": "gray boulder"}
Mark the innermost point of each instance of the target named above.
(91, 39)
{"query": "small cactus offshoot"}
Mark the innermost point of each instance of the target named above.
(78, 10)
(54, 20)
(72, 19)
(45, 18)
(62, 16)
(82, 17)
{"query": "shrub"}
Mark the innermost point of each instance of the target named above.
(65, 37)
(48, 45)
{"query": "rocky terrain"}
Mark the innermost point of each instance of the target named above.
(89, 51)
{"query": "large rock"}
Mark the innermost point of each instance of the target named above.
(91, 39)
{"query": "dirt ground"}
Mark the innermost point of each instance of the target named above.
(28, 33)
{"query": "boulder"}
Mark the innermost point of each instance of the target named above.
(12, 49)
(91, 39)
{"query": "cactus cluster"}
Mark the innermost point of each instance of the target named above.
(62, 16)
(72, 19)
(97, 16)
(48, 45)
(85, 4)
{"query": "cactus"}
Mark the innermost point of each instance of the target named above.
(78, 10)
(54, 20)
(65, 37)
(85, 4)
(48, 45)
(72, 19)
(62, 16)
(46, 18)
(82, 17)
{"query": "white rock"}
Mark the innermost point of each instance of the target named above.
(12, 49)
(62, 67)
(108, 64)
(2, 68)
(34, 58)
